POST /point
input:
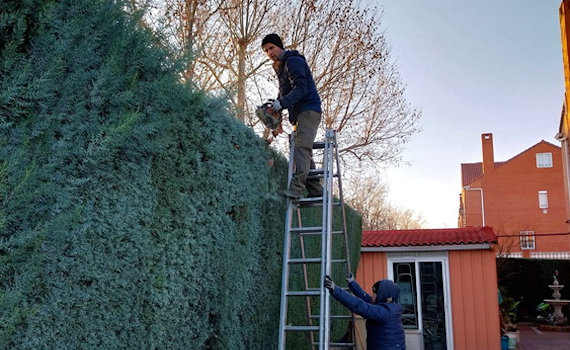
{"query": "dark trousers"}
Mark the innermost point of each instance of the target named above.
(307, 127)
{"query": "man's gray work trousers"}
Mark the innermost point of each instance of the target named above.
(307, 127)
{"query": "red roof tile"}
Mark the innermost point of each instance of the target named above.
(471, 171)
(426, 237)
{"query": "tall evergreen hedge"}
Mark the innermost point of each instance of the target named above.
(135, 213)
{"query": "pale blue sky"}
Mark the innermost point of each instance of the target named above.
(471, 67)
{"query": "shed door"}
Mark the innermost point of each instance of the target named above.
(423, 295)
(433, 306)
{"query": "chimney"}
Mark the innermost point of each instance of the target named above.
(488, 157)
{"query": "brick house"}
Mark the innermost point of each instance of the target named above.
(522, 199)
(448, 283)
(564, 127)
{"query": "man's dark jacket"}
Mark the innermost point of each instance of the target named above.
(384, 328)
(297, 89)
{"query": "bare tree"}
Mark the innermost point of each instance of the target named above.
(362, 94)
(363, 97)
(367, 195)
(218, 38)
(243, 20)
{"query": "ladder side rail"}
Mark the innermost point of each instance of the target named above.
(305, 277)
(327, 230)
(281, 343)
(285, 278)
(330, 200)
(344, 225)
(323, 314)
(343, 210)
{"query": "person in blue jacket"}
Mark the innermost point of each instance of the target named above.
(382, 312)
(298, 94)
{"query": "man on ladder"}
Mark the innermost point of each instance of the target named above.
(298, 94)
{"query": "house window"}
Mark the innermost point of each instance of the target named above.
(543, 199)
(544, 160)
(527, 240)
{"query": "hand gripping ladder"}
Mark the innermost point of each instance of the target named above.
(306, 291)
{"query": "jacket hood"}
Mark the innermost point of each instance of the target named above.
(290, 53)
(385, 290)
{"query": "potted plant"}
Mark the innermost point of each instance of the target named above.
(508, 318)
(544, 314)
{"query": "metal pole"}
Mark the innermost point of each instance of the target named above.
(285, 281)
(322, 304)
(305, 278)
(343, 211)
(286, 253)
(327, 233)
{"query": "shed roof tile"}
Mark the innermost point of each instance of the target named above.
(426, 237)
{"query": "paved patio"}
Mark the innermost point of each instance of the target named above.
(531, 338)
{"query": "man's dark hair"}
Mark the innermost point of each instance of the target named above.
(273, 39)
(375, 287)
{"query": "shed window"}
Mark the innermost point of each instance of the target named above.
(527, 240)
(405, 273)
(544, 160)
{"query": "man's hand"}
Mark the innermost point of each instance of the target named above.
(277, 131)
(329, 284)
(276, 105)
(349, 277)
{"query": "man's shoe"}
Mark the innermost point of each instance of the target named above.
(314, 194)
(291, 194)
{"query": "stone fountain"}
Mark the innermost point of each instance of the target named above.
(557, 303)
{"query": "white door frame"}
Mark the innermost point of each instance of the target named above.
(417, 257)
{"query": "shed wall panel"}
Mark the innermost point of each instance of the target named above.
(474, 300)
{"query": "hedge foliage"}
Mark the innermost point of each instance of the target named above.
(135, 212)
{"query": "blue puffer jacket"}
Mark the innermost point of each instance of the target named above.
(297, 89)
(383, 319)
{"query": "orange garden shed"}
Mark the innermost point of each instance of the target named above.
(448, 283)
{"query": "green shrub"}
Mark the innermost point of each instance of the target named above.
(134, 211)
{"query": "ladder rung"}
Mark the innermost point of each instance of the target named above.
(336, 317)
(341, 345)
(312, 231)
(338, 260)
(305, 260)
(302, 328)
(308, 200)
(318, 145)
(321, 145)
(313, 177)
(315, 201)
(318, 174)
(304, 293)
(309, 292)
(307, 229)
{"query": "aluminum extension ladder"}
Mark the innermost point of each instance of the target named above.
(318, 326)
